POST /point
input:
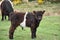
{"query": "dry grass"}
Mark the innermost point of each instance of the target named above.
(51, 8)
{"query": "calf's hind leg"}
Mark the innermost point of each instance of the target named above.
(11, 31)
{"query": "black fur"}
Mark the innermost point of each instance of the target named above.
(32, 20)
(6, 8)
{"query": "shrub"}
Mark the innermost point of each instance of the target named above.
(40, 1)
(15, 2)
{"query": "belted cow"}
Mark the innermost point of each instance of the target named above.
(28, 19)
(6, 8)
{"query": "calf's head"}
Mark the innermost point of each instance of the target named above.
(38, 15)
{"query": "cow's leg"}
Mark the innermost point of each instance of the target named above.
(5, 17)
(2, 17)
(11, 31)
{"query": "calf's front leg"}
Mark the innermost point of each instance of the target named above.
(33, 32)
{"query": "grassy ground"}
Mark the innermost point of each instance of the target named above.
(49, 29)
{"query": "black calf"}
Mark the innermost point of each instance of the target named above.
(6, 8)
(32, 20)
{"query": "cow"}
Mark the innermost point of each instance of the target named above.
(6, 8)
(25, 19)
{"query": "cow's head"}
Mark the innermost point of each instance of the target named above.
(38, 15)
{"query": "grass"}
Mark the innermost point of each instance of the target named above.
(49, 29)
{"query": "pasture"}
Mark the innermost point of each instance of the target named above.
(49, 28)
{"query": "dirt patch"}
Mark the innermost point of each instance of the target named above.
(52, 13)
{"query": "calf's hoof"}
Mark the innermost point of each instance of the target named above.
(34, 39)
(11, 39)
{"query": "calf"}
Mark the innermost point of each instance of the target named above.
(6, 8)
(29, 19)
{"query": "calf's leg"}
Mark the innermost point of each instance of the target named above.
(11, 31)
(33, 32)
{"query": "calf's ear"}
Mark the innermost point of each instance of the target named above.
(43, 11)
(34, 12)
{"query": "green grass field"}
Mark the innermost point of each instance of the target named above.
(49, 29)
